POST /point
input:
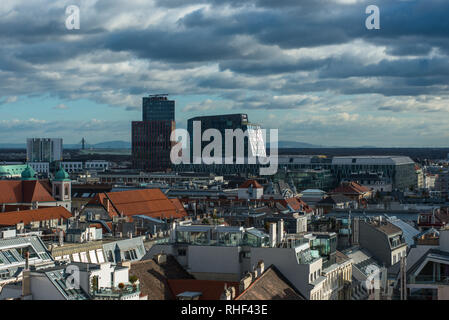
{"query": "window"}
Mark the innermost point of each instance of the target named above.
(110, 256)
(32, 252)
(9, 255)
(130, 255)
(84, 257)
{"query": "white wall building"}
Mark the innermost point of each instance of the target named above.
(44, 149)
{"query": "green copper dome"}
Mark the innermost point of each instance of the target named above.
(62, 175)
(28, 174)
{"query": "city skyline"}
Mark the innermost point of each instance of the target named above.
(312, 67)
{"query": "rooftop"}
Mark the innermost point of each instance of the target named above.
(271, 285)
(27, 216)
(148, 202)
(154, 277)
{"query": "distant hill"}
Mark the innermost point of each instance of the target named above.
(102, 145)
(297, 144)
(12, 146)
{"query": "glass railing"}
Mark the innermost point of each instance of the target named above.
(115, 293)
(225, 243)
(427, 279)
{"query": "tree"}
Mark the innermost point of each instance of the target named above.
(132, 279)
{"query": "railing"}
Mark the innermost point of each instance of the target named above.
(427, 279)
(113, 293)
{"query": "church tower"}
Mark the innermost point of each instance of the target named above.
(62, 188)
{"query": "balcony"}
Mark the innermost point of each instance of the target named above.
(116, 293)
(429, 279)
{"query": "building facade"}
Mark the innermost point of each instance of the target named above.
(151, 143)
(253, 145)
(44, 149)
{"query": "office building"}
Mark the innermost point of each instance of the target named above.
(44, 149)
(151, 143)
(233, 122)
(158, 108)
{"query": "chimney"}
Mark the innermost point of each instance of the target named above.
(27, 260)
(260, 267)
(280, 234)
(245, 282)
(233, 295)
(160, 258)
(273, 235)
(61, 238)
(255, 274)
(226, 294)
(26, 281)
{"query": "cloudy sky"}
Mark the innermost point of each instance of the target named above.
(307, 67)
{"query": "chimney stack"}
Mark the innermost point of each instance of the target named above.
(27, 260)
(228, 293)
(260, 267)
(245, 282)
(280, 234)
(273, 235)
(26, 281)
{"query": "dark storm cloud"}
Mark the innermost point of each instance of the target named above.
(246, 40)
(174, 46)
(421, 67)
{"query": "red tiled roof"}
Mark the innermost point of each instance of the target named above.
(177, 204)
(293, 203)
(27, 216)
(249, 183)
(17, 191)
(296, 204)
(149, 202)
(351, 188)
(210, 289)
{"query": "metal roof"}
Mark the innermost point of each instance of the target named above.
(408, 231)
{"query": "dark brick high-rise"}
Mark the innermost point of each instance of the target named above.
(151, 143)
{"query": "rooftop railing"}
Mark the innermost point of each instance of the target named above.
(116, 293)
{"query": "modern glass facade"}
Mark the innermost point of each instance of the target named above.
(254, 141)
(151, 143)
(157, 108)
(325, 246)
(221, 236)
(307, 178)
